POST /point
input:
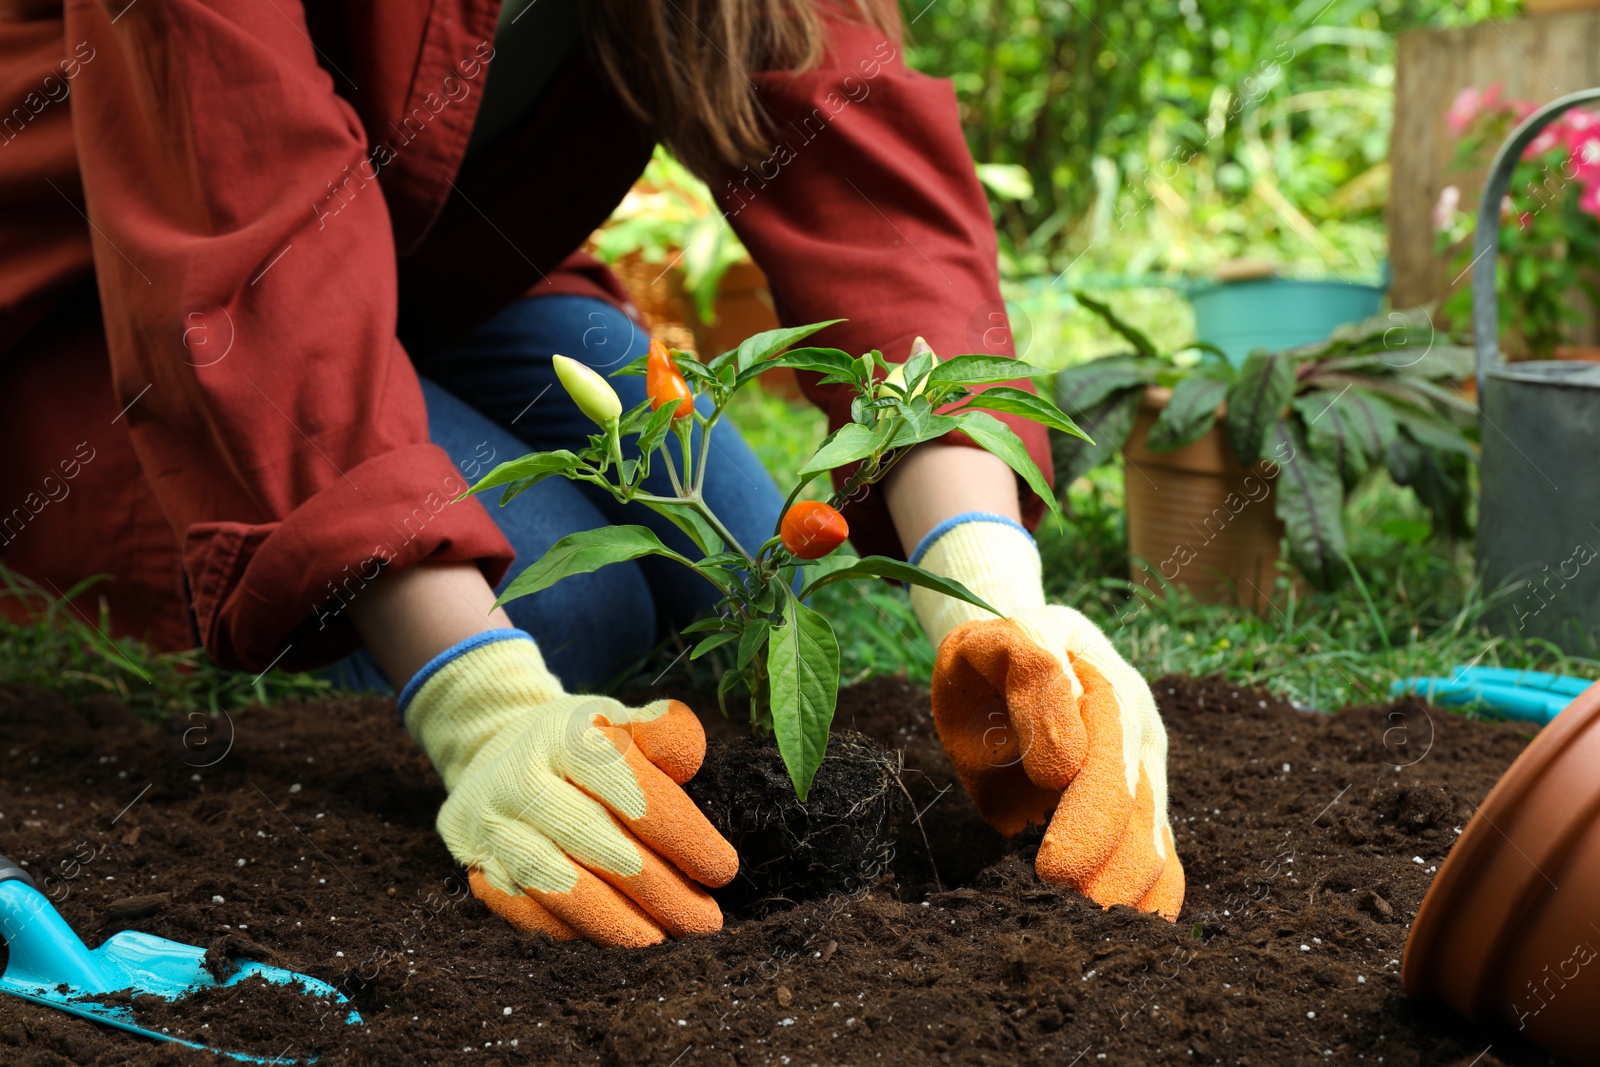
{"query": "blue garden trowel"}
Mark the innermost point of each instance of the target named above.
(49, 965)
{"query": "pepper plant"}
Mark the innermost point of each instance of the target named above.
(785, 654)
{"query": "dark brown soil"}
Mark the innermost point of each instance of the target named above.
(1307, 854)
(838, 841)
(254, 1016)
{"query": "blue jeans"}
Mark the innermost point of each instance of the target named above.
(495, 397)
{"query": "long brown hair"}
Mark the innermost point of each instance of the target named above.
(684, 66)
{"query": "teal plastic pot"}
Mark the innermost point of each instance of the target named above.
(1277, 313)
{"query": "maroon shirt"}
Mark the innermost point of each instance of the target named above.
(273, 206)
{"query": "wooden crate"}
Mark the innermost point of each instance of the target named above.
(1538, 58)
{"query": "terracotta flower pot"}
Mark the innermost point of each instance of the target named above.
(1197, 518)
(1509, 932)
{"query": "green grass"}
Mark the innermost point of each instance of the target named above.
(62, 648)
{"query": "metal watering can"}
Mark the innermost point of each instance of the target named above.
(1539, 510)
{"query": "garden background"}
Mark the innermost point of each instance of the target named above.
(1129, 148)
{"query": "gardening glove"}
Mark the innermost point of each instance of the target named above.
(1038, 711)
(566, 809)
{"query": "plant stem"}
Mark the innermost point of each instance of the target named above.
(685, 430)
(705, 513)
(705, 449)
(672, 469)
(614, 443)
(722, 531)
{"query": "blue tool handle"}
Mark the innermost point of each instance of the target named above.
(1531, 705)
(43, 948)
(1553, 683)
(10, 871)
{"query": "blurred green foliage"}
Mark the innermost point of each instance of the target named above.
(1163, 136)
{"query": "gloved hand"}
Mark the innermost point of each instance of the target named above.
(567, 809)
(1038, 711)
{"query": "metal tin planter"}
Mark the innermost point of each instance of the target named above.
(1539, 510)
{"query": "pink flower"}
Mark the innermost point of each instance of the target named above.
(1444, 211)
(1590, 200)
(1464, 110)
(1584, 162)
(1546, 139)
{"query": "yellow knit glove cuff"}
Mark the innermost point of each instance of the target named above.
(470, 692)
(990, 555)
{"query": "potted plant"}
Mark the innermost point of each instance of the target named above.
(785, 655)
(1552, 251)
(1206, 446)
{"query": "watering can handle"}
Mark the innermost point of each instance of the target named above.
(10, 872)
(1486, 238)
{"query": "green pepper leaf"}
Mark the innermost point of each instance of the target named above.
(996, 438)
(752, 641)
(655, 431)
(525, 472)
(898, 570)
(1021, 402)
(978, 369)
(803, 679)
(723, 559)
(633, 368)
(691, 522)
(916, 369)
(765, 345)
(1189, 415)
(586, 551)
(1255, 400)
(634, 418)
(848, 443)
(711, 623)
(921, 425)
(826, 361)
(729, 681)
(716, 640)
(694, 370)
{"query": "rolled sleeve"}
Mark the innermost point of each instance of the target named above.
(246, 264)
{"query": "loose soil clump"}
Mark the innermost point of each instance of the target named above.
(839, 841)
(307, 830)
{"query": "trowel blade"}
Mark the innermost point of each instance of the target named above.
(168, 969)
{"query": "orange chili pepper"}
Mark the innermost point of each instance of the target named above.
(812, 529)
(665, 384)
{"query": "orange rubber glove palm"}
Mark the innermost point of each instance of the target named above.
(566, 809)
(1038, 711)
